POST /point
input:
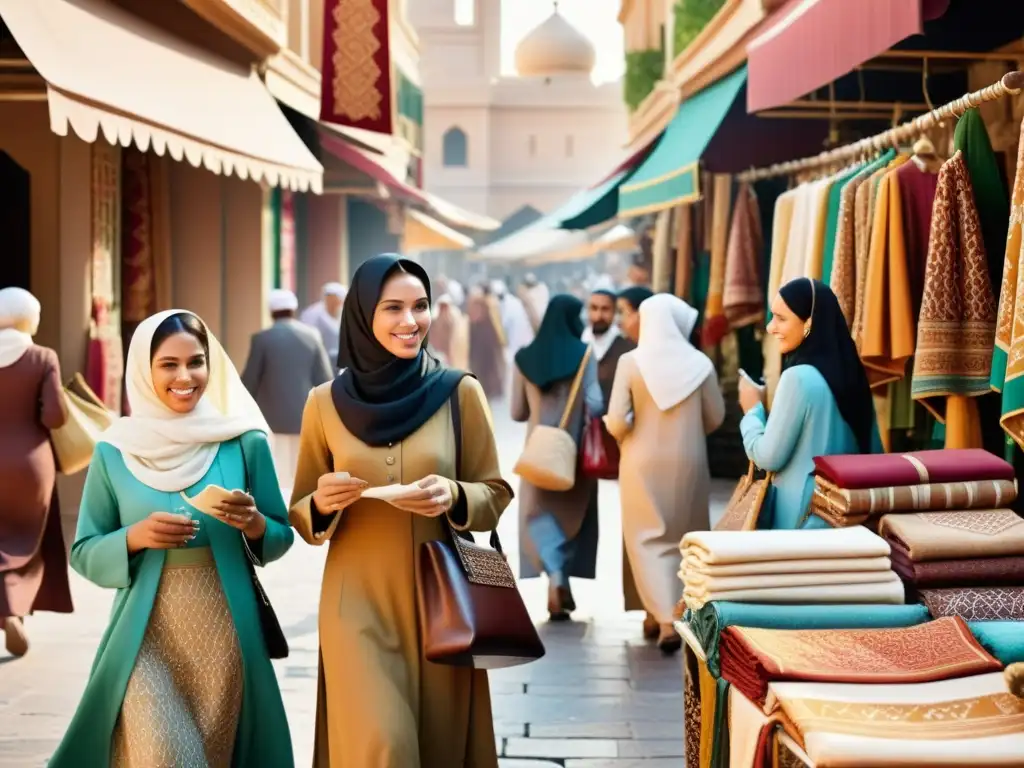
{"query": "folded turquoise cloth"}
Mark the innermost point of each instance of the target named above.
(708, 622)
(1003, 639)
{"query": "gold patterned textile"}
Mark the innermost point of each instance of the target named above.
(843, 280)
(957, 323)
(966, 534)
(970, 721)
(357, 65)
(853, 506)
(752, 658)
(1008, 358)
(184, 696)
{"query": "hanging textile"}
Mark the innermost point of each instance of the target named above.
(1008, 358)
(850, 231)
(957, 321)
(715, 325)
(743, 296)
(888, 333)
(832, 213)
(867, 199)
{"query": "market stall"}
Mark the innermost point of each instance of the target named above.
(882, 639)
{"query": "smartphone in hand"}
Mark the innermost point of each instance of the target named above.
(751, 380)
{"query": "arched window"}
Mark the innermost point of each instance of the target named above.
(455, 148)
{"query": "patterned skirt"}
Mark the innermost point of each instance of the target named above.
(185, 693)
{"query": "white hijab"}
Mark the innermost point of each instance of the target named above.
(672, 368)
(19, 320)
(169, 451)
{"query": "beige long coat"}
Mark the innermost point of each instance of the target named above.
(664, 479)
(379, 703)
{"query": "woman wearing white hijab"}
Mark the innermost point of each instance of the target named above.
(664, 402)
(182, 675)
(33, 562)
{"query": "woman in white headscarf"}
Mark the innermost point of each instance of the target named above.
(33, 563)
(664, 402)
(183, 674)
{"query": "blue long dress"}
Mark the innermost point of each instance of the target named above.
(805, 423)
(113, 500)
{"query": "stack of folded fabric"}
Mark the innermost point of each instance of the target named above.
(967, 721)
(956, 549)
(751, 658)
(857, 489)
(847, 565)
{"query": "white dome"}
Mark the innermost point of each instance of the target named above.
(555, 47)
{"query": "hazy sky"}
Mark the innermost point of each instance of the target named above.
(594, 18)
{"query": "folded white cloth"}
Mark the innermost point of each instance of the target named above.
(697, 566)
(700, 584)
(889, 592)
(729, 547)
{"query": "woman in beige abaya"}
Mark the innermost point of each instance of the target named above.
(664, 402)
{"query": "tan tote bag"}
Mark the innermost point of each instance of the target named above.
(744, 508)
(75, 442)
(549, 457)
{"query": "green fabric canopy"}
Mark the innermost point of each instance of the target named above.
(670, 174)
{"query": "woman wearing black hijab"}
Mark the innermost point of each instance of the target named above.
(822, 406)
(557, 529)
(385, 420)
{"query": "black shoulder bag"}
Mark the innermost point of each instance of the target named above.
(273, 635)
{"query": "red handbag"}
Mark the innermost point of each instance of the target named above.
(600, 452)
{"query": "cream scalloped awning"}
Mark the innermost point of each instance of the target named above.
(111, 73)
(425, 233)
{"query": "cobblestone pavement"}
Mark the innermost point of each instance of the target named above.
(601, 698)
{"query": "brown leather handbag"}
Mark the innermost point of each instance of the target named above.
(471, 612)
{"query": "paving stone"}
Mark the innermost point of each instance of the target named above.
(581, 688)
(580, 731)
(658, 762)
(657, 730)
(651, 748)
(561, 748)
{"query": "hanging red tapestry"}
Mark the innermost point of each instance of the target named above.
(357, 65)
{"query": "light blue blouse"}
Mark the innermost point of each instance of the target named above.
(805, 423)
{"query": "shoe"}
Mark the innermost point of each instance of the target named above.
(651, 627)
(560, 603)
(14, 634)
(669, 640)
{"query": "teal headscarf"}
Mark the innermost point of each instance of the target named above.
(556, 352)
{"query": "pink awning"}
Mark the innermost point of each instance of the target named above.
(361, 161)
(814, 42)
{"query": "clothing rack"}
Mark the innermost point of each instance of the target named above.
(1012, 83)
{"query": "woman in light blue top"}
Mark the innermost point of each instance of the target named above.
(822, 406)
(182, 676)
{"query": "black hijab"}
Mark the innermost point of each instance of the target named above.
(636, 295)
(381, 398)
(829, 347)
(556, 352)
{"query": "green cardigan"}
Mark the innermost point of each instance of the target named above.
(113, 500)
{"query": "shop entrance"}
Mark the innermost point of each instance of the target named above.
(15, 226)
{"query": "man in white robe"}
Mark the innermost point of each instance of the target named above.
(325, 318)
